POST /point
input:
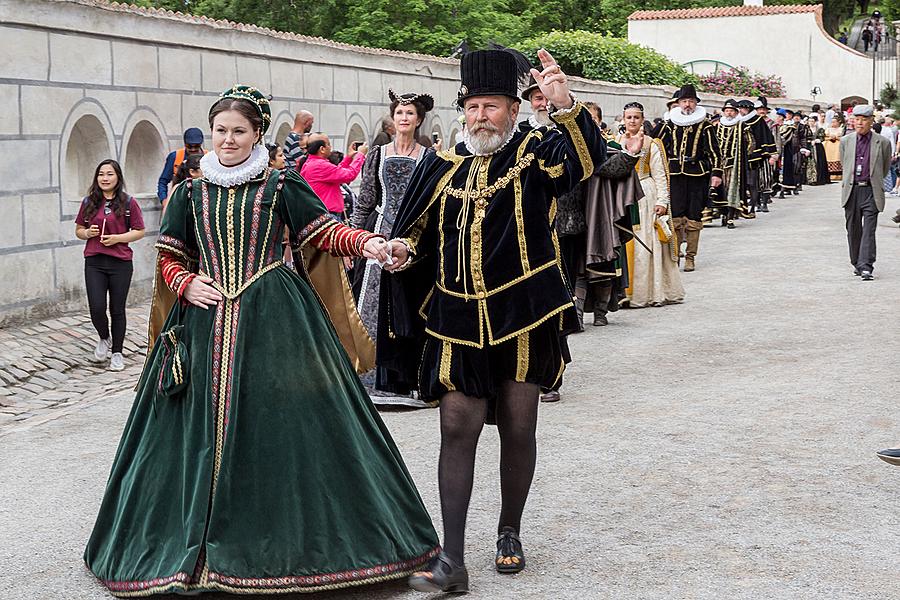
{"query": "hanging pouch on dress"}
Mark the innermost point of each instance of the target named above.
(663, 228)
(175, 364)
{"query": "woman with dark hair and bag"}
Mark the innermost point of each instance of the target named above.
(253, 461)
(109, 219)
(386, 174)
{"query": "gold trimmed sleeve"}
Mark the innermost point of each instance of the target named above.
(577, 126)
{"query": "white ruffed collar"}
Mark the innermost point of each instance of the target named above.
(728, 122)
(532, 120)
(217, 173)
(683, 120)
(748, 117)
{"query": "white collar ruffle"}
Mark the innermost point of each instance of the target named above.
(683, 120)
(729, 121)
(532, 120)
(218, 174)
(748, 117)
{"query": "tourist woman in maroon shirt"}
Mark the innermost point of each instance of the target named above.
(109, 219)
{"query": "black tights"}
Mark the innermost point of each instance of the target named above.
(104, 274)
(462, 419)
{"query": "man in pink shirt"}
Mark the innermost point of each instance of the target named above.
(326, 178)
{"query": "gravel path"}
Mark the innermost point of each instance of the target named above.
(722, 448)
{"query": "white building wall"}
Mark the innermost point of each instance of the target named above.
(83, 80)
(792, 46)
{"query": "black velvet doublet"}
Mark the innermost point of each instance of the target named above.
(486, 265)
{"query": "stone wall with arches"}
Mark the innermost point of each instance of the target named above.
(85, 80)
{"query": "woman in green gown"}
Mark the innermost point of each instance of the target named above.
(252, 460)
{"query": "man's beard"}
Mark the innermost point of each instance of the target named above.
(542, 117)
(485, 138)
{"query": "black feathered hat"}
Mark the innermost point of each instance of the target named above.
(730, 103)
(494, 72)
(761, 102)
(748, 104)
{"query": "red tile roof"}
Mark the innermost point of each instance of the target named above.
(724, 11)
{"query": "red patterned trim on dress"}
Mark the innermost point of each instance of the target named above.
(174, 272)
(313, 227)
(136, 586)
(340, 240)
(288, 584)
(207, 230)
(254, 230)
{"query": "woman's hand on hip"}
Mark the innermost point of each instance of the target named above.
(199, 293)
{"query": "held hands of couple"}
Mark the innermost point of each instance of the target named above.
(552, 82)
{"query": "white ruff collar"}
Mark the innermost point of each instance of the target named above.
(748, 117)
(217, 173)
(697, 116)
(729, 122)
(465, 137)
(532, 120)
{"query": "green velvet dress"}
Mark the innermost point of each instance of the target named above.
(271, 472)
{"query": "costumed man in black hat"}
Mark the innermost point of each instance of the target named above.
(540, 117)
(477, 296)
(764, 157)
(695, 165)
(735, 143)
(790, 153)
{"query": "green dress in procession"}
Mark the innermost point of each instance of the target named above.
(272, 471)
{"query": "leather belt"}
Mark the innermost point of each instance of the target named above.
(862, 183)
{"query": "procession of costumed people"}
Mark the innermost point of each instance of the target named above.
(254, 459)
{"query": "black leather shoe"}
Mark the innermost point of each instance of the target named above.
(552, 396)
(764, 208)
(600, 320)
(890, 456)
(866, 275)
(510, 557)
(730, 224)
(443, 576)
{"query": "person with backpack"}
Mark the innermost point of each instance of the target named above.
(193, 144)
(108, 220)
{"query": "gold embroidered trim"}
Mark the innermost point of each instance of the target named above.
(562, 368)
(482, 309)
(327, 225)
(507, 285)
(522, 357)
(520, 216)
(248, 283)
(175, 251)
(501, 183)
(444, 371)
(554, 171)
(527, 328)
(221, 587)
(177, 372)
(442, 277)
(584, 156)
(424, 304)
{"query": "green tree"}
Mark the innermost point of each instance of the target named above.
(598, 56)
(428, 26)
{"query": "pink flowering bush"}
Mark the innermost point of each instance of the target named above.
(739, 81)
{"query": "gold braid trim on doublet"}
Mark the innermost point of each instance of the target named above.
(567, 120)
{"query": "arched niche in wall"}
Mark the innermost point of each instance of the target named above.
(280, 128)
(453, 138)
(356, 131)
(143, 152)
(436, 128)
(87, 139)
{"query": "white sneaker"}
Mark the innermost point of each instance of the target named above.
(101, 352)
(117, 362)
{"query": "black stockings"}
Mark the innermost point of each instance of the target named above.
(462, 419)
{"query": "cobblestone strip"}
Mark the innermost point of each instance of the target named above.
(45, 367)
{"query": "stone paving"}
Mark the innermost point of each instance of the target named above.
(45, 367)
(720, 449)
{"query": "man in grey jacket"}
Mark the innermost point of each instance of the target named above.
(865, 159)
